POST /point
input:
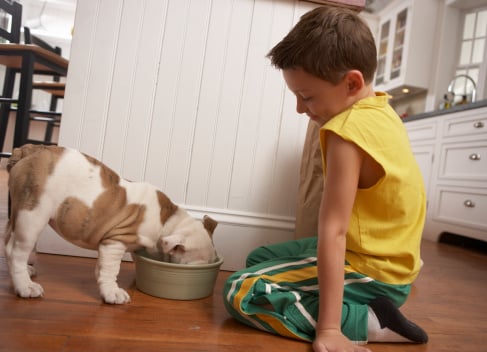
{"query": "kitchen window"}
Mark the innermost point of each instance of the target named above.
(471, 61)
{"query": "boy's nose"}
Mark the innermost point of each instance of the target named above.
(300, 107)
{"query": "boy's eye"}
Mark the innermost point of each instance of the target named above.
(306, 98)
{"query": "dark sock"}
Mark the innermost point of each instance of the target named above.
(391, 318)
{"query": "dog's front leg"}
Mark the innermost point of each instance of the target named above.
(107, 268)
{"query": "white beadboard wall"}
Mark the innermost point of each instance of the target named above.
(179, 93)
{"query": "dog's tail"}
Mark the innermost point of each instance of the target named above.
(22, 152)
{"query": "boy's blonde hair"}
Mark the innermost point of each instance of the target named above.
(327, 42)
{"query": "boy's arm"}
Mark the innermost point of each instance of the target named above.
(343, 164)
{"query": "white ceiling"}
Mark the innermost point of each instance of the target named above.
(49, 18)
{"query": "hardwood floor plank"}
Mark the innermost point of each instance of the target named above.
(26, 341)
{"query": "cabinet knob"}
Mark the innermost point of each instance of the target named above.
(469, 204)
(478, 124)
(474, 156)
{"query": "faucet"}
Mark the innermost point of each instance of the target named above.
(451, 86)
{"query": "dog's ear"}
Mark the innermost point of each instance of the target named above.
(209, 224)
(172, 244)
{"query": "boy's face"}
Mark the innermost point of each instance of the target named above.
(315, 97)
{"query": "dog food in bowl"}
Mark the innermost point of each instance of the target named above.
(174, 281)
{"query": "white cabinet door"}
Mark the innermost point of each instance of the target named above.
(424, 157)
(405, 52)
(422, 134)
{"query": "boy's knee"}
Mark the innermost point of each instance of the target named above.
(256, 256)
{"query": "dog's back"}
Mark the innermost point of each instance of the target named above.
(80, 197)
(37, 171)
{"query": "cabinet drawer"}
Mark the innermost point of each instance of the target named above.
(466, 161)
(473, 124)
(421, 131)
(464, 206)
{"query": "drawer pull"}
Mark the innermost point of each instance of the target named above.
(478, 124)
(474, 156)
(469, 204)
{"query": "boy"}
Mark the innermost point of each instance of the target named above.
(372, 210)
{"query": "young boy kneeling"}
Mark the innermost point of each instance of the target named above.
(342, 288)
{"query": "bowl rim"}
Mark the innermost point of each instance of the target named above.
(216, 263)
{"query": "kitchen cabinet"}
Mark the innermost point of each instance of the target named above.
(456, 176)
(405, 46)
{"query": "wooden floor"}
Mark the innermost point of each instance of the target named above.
(448, 301)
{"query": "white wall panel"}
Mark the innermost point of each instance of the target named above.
(206, 166)
(236, 38)
(191, 60)
(160, 152)
(249, 133)
(80, 65)
(148, 48)
(179, 93)
(123, 84)
(98, 80)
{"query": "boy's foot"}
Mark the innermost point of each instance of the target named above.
(387, 324)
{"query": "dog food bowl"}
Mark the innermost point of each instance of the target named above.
(174, 281)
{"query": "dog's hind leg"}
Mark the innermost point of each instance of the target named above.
(107, 268)
(26, 230)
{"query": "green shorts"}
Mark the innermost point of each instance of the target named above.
(278, 292)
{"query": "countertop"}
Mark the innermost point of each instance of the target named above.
(425, 115)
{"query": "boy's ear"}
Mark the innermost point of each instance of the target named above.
(355, 81)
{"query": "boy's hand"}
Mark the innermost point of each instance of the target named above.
(335, 341)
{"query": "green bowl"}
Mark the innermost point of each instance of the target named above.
(174, 281)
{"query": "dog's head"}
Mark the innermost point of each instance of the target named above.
(190, 242)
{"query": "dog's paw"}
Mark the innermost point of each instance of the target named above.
(115, 296)
(32, 290)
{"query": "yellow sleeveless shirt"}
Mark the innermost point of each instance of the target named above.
(383, 239)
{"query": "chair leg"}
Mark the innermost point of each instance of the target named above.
(48, 133)
(25, 99)
(8, 87)
(50, 125)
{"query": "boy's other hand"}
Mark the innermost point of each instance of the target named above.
(335, 341)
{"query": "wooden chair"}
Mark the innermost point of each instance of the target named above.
(10, 20)
(55, 88)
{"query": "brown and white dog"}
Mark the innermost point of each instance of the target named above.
(89, 205)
